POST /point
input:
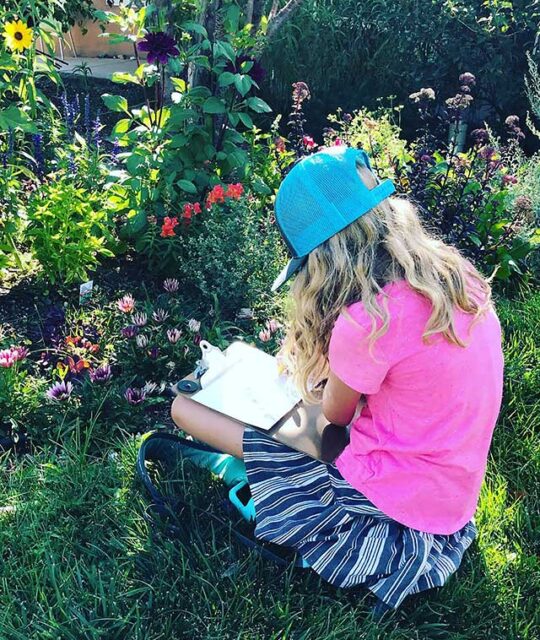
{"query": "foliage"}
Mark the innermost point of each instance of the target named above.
(378, 132)
(21, 103)
(174, 153)
(234, 255)
(466, 197)
(378, 48)
(69, 228)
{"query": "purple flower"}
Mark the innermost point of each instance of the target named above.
(101, 374)
(171, 285)
(60, 391)
(135, 395)
(130, 331)
(39, 158)
(487, 153)
(96, 131)
(159, 47)
(86, 118)
(467, 79)
(153, 353)
(480, 136)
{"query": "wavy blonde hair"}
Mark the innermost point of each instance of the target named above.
(385, 245)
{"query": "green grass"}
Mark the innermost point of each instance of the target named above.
(78, 562)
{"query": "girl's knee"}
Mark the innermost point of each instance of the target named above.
(180, 409)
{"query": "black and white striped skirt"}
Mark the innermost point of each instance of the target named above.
(306, 505)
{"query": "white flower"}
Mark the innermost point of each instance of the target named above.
(142, 341)
(194, 325)
(140, 319)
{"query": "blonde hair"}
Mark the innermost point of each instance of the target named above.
(387, 244)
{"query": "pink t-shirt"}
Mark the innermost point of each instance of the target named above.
(418, 449)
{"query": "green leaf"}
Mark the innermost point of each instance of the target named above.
(258, 105)
(224, 49)
(195, 27)
(214, 105)
(124, 78)
(243, 84)
(187, 186)
(115, 103)
(226, 78)
(15, 118)
(246, 120)
(121, 126)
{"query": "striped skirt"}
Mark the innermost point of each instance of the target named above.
(306, 505)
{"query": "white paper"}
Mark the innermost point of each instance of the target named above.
(250, 389)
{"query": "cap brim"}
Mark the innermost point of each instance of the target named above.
(293, 266)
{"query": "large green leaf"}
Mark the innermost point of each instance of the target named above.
(258, 105)
(15, 118)
(115, 103)
(214, 105)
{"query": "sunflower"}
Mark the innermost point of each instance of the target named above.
(17, 36)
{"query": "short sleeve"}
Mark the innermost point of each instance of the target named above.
(351, 359)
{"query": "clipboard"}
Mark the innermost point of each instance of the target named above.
(303, 428)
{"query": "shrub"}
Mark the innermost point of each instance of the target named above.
(234, 255)
(69, 228)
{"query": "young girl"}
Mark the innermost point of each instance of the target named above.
(395, 333)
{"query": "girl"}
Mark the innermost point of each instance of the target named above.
(395, 333)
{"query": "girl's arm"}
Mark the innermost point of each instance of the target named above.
(339, 401)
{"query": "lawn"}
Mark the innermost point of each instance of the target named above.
(80, 561)
(137, 217)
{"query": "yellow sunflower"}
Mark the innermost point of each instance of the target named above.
(17, 35)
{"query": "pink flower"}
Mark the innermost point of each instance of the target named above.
(126, 304)
(338, 142)
(308, 142)
(509, 179)
(265, 335)
(273, 325)
(173, 335)
(7, 358)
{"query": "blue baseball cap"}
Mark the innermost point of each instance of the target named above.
(320, 196)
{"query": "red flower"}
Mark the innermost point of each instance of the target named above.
(167, 230)
(216, 195)
(234, 191)
(187, 212)
(309, 143)
(196, 208)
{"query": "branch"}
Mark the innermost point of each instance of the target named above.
(249, 12)
(281, 17)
